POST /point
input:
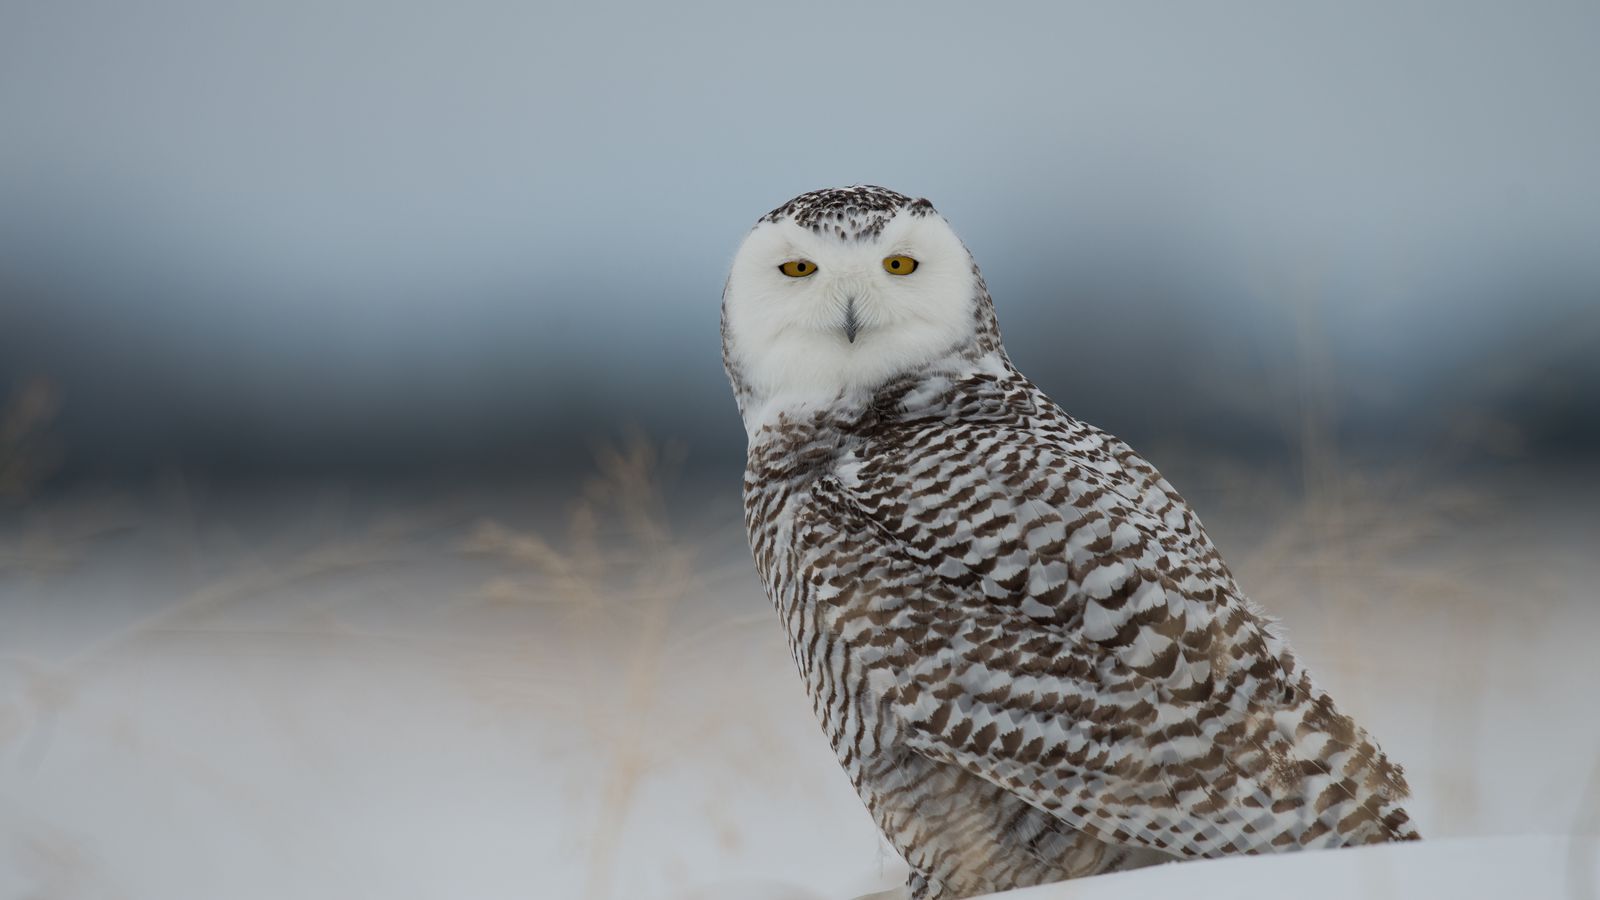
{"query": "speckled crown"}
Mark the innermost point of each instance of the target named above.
(852, 213)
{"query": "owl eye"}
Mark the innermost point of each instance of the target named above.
(899, 265)
(798, 268)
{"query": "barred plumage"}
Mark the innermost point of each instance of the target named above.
(1030, 659)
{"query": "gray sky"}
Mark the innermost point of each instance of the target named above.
(254, 234)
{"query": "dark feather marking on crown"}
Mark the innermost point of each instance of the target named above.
(854, 213)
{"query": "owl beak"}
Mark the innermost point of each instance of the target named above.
(852, 325)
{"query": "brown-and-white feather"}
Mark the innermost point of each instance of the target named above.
(1029, 657)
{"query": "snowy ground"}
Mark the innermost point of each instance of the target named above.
(1457, 868)
(494, 691)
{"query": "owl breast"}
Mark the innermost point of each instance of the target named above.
(962, 835)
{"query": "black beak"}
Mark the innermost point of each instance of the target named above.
(851, 324)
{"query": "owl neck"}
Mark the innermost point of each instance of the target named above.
(848, 410)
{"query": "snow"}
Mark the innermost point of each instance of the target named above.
(1460, 868)
(325, 695)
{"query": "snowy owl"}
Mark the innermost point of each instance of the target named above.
(1029, 657)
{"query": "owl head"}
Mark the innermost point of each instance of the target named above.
(840, 291)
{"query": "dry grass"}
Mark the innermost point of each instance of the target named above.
(623, 577)
(24, 456)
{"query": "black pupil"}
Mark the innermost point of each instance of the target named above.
(799, 267)
(894, 264)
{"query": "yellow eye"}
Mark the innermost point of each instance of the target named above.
(798, 268)
(899, 265)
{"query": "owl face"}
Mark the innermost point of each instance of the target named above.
(845, 299)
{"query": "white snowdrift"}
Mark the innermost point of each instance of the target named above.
(1497, 867)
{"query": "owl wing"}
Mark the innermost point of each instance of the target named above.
(1038, 607)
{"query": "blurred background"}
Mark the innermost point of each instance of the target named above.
(369, 481)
